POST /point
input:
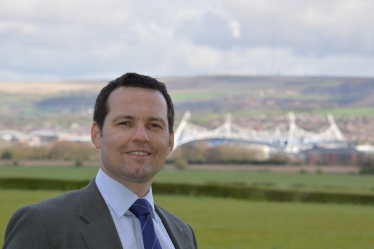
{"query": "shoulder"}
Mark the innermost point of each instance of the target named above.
(69, 202)
(49, 209)
(29, 227)
(66, 200)
(54, 222)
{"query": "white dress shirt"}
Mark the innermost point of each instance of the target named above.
(119, 199)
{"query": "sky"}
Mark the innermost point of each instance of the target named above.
(97, 39)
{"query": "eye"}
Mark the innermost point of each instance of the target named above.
(156, 126)
(125, 123)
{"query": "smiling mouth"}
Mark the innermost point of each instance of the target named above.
(139, 153)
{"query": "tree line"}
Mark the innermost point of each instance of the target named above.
(60, 150)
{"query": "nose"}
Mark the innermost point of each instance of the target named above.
(140, 135)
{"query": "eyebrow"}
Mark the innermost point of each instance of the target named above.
(122, 117)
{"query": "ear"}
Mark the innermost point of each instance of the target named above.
(95, 135)
(171, 142)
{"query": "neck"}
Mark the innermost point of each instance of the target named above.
(140, 188)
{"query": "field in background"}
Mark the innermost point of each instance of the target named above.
(254, 102)
(208, 95)
(359, 111)
(347, 183)
(227, 223)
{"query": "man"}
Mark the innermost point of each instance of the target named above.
(133, 128)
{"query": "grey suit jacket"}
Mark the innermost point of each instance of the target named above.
(80, 219)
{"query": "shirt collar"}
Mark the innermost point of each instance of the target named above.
(119, 197)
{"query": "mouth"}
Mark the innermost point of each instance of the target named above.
(138, 153)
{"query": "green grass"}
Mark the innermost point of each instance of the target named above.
(227, 223)
(11, 101)
(359, 111)
(302, 182)
(320, 182)
(204, 118)
(188, 95)
(72, 173)
(284, 96)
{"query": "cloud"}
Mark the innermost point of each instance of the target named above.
(319, 27)
(66, 39)
(211, 30)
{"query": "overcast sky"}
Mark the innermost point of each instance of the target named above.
(97, 39)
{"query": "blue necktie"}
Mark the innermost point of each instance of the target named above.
(142, 210)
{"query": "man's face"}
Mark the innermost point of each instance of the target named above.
(134, 139)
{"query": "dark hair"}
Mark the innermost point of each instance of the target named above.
(130, 80)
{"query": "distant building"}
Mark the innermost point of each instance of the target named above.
(365, 148)
(19, 137)
(47, 136)
(12, 135)
(83, 138)
(330, 155)
(42, 137)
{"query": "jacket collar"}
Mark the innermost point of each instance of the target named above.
(100, 231)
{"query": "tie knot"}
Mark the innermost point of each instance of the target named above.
(140, 207)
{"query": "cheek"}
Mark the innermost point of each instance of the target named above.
(114, 138)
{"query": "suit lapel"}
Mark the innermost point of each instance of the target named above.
(100, 231)
(175, 232)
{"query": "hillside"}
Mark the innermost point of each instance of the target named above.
(270, 94)
(204, 94)
(65, 104)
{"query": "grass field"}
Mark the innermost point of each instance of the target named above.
(359, 111)
(302, 182)
(226, 223)
(193, 95)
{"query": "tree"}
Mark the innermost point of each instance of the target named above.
(367, 165)
(6, 155)
(181, 164)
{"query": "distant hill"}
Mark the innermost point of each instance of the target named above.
(251, 95)
(203, 96)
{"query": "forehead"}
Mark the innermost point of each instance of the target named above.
(136, 99)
